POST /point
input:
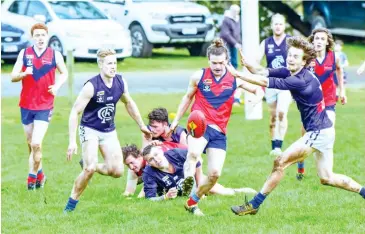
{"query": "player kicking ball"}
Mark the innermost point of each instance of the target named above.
(320, 134)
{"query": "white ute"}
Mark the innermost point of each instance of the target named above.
(162, 23)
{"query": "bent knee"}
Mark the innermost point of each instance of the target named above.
(193, 155)
(90, 169)
(214, 175)
(35, 146)
(281, 115)
(115, 172)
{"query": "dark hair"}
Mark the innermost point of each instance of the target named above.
(302, 43)
(217, 48)
(147, 150)
(130, 150)
(329, 37)
(158, 114)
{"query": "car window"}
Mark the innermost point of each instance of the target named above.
(18, 7)
(121, 2)
(76, 10)
(37, 8)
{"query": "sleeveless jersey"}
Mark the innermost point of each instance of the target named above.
(325, 72)
(34, 94)
(100, 111)
(275, 54)
(175, 136)
(215, 98)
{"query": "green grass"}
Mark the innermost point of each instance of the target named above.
(294, 207)
(179, 59)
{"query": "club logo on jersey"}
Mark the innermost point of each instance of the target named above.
(100, 97)
(206, 88)
(166, 180)
(106, 113)
(270, 48)
(29, 58)
(109, 98)
(46, 61)
(208, 82)
(227, 86)
(278, 62)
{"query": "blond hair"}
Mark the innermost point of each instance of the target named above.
(103, 52)
(217, 48)
(277, 15)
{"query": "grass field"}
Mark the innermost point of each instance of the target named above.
(294, 207)
(165, 59)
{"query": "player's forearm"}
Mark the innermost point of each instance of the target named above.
(72, 126)
(61, 79)
(17, 76)
(133, 111)
(341, 86)
(184, 105)
(253, 79)
(131, 187)
(256, 69)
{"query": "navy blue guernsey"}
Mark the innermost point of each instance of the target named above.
(100, 111)
(175, 136)
(157, 182)
(275, 54)
(307, 92)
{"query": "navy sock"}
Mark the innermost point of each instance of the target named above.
(279, 143)
(273, 144)
(362, 192)
(257, 200)
(71, 204)
(301, 167)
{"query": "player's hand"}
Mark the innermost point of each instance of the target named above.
(28, 71)
(171, 129)
(343, 98)
(243, 60)
(259, 95)
(147, 133)
(156, 143)
(172, 193)
(361, 70)
(72, 149)
(53, 89)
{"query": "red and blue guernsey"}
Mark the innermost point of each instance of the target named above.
(325, 72)
(34, 94)
(215, 98)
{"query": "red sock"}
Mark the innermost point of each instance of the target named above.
(301, 170)
(32, 178)
(40, 175)
(191, 202)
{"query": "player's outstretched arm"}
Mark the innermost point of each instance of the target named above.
(187, 99)
(132, 180)
(339, 72)
(258, 91)
(254, 68)
(61, 79)
(82, 100)
(248, 77)
(17, 74)
(133, 111)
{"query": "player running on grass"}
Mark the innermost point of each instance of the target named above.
(36, 68)
(320, 134)
(97, 100)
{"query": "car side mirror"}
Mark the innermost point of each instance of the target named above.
(40, 18)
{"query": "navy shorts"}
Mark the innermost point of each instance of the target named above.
(216, 139)
(331, 108)
(28, 116)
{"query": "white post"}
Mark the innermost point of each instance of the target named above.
(250, 46)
